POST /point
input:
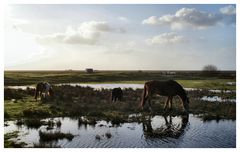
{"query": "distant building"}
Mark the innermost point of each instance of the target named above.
(171, 73)
(168, 73)
(89, 70)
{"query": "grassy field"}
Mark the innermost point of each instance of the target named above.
(189, 79)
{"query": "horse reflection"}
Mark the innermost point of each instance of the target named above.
(166, 130)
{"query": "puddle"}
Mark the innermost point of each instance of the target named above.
(152, 132)
(95, 86)
(111, 86)
(231, 83)
(217, 99)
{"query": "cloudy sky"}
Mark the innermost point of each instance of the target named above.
(120, 37)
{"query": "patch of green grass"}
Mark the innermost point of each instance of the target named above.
(36, 112)
(116, 117)
(208, 84)
(27, 108)
(10, 143)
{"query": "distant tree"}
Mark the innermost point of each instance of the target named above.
(210, 68)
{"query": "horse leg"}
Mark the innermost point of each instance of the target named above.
(149, 103)
(111, 98)
(186, 106)
(170, 103)
(41, 95)
(36, 96)
(144, 99)
(166, 103)
(47, 95)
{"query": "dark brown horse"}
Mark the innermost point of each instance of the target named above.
(168, 88)
(116, 94)
(43, 89)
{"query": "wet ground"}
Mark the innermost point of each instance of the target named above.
(211, 98)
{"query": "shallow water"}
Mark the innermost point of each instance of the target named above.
(216, 99)
(106, 85)
(95, 86)
(157, 131)
(115, 85)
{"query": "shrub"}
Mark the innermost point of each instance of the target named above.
(45, 136)
(34, 112)
(33, 123)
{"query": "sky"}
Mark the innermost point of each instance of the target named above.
(120, 36)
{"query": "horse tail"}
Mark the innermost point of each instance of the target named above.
(36, 92)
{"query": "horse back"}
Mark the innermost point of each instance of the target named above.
(117, 91)
(165, 88)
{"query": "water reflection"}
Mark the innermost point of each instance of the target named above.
(152, 132)
(167, 128)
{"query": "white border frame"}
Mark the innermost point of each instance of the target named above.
(7, 2)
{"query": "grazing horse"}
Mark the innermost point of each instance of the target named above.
(43, 88)
(168, 88)
(116, 94)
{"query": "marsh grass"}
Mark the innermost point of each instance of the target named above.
(9, 141)
(6, 115)
(51, 136)
(108, 135)
(36, 112)
(95, 105)
(58, 123)
(45, 145)
(33, 123)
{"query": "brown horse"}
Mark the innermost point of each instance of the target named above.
(168, 88)
(43, 89)
(117, 94)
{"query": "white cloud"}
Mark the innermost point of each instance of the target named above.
(124, 19)
(166, 38)
(15, 23)
(153, 20)
(87, 33)
(228, 10)
(186, 17)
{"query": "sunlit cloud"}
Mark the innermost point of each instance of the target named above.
(185, 17)
(87, 33)
(166, 38)
(228, 10)
(123, 19)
